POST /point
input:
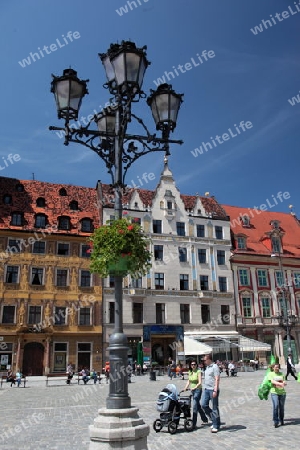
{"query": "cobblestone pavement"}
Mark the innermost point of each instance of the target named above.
(58, 416)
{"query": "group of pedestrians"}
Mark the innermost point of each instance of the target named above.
(14, 379)
(204, 386)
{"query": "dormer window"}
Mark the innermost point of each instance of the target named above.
(275, 224)
(241, 243)
(40, 202)
(19, 187)
(169, 205)
(17, 219)
(7, 200)
(64, 223)
(245, 221)
(136, 205)
(276, 244)
(74, 205)
(87, 225)
(62, 192)
(199, 212)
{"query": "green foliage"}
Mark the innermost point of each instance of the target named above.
(120, 238)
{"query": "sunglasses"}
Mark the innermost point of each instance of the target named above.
(193, 364)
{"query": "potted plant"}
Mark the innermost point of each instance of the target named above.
(119, 248)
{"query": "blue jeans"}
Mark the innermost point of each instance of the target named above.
(213, 413)
(278, 407)
(196, 393)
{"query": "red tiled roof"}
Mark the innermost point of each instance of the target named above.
(55, 204)
(210, 204)
(257, 232)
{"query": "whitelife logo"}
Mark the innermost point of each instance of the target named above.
(265, 24)
(292, 101)
(53, 47)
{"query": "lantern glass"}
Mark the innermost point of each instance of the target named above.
(106, 123)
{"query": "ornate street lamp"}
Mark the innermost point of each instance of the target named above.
(125, 66)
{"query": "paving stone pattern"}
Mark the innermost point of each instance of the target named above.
(58, 416)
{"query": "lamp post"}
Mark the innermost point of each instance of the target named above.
(285, 316)
(125, 66)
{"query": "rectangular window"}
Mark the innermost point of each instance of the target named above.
(296, 279)
(241, 243)
(205, 313)
(60, 356)
(185, 313)
(137, 282)
(111, 281)
(182, 254)
(262, 278)
(14, 246)
(225, 315)
(200, 231)
(180, 226)
(17, 219)
(279, 279)
(184, 282)
(111, 312)
(137, 312)
(169, 205)
(247, 307)
(85, 251)
(37, 276)
(85, 278)
(219, 232)
(265, 306)
(202, 256)
(158, 252)
(34, 314)
(160, 313)
(221, 257)
(223, 284)
(61, 277)
(159, 281)
(62, 249)
(8, 314)
(243, 277)
(40, 221)
(12, 274)
(84, 355)
(60, 315)
(204, 282)
(157, 229)
(39, 247)
(85, 316)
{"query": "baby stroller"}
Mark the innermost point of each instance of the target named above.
(172, 408)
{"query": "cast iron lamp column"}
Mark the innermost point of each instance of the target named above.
(125, 65)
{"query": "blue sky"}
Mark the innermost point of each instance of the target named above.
(250, 78)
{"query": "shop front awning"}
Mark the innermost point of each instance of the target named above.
(192, 347)
(226, 341)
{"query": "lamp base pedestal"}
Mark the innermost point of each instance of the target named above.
(118, 429)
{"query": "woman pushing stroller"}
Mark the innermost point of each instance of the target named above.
(195, 385)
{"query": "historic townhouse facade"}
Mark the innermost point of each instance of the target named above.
(189, 289)
(50, 304)
(266, 272)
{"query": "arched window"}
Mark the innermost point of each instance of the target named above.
(17, 219)
(64, 223)
(7, 199)
(62, 192)
(87, 225)
(40, 221)
(40, 202)
(74, 205)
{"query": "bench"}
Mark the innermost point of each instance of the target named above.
(4, 378)
(79, 378)
(56, 377)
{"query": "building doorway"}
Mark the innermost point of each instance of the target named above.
(33, 359)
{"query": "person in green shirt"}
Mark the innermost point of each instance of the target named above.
(278, 394)
(194, 384)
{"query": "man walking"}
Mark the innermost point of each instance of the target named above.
(211, 392)
(290, 367)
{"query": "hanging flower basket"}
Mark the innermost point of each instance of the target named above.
(119, 248)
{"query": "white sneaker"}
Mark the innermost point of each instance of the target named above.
(211, 426)
(214, 430)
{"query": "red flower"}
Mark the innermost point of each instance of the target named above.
(121, 231)
(125, 212)
(130, 227)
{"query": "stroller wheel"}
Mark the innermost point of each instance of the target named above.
(172, 427)
(157, 425)
(188, 425)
